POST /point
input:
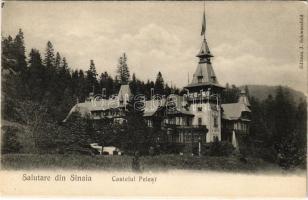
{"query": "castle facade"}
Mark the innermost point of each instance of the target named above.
(196, 117)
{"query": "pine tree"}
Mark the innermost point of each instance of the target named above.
(284, 114)
(49, 60)
(122, 70)
(92, 82)
(82, 86)
(74, 83)
(67, 101)
(92, 69)
(110, 86)
(64, 74)
(77, 137)
(10, 80)
(60, 78)
(133, 85)
(148, 86)
(20, 50)
(167, 90)
(58, 61)
(268, 106)
(116, 85)
(51, 76)
(159, 84)
(106, 82)
(137, 137)
(8, 60)
(36, 75)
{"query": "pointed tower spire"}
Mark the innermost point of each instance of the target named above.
(203, 21)
(204, 53)
(204, 76)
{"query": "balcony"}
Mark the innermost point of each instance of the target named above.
(192, 127)
(203, 96)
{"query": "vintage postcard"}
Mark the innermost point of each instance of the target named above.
(154, 98)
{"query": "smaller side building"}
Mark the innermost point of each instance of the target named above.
(236, 120)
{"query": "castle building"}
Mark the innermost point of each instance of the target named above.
(204, 95)
(193, 118)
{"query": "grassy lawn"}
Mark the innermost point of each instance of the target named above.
(124, 163)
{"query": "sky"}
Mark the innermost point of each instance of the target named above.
(252, 42)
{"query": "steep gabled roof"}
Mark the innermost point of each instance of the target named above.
(206, 73)
(178, 103)
(233, 111)
(152, 106)
(87, 107)
(124, 93)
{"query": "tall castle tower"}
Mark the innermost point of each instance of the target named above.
(204, 92)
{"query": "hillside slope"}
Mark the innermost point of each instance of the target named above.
(261, 92)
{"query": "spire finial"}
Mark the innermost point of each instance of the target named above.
(204, 6)
(203, 22)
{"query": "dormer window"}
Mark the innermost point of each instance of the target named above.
(200, 79)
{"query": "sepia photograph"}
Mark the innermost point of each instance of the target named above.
(201, 98)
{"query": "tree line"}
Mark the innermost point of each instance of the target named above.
(39, 90)
(49, 80)
(278, 131)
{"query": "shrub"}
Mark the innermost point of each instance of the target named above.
(267, 154)
(171, 148)
(10, 143)
(289, 155)
(218, 148)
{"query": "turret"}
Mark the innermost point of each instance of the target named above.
(243, 98)
(204, 77)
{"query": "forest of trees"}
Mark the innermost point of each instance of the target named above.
(39, 89)
(47, 78)
(279, 129)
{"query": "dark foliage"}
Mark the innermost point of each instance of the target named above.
(122, 70)
(137, 137)
(77, 136)
(10, 143)
(278, 129)
(218, 148)
(171, 148)
(39, 91)
(230, 94)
